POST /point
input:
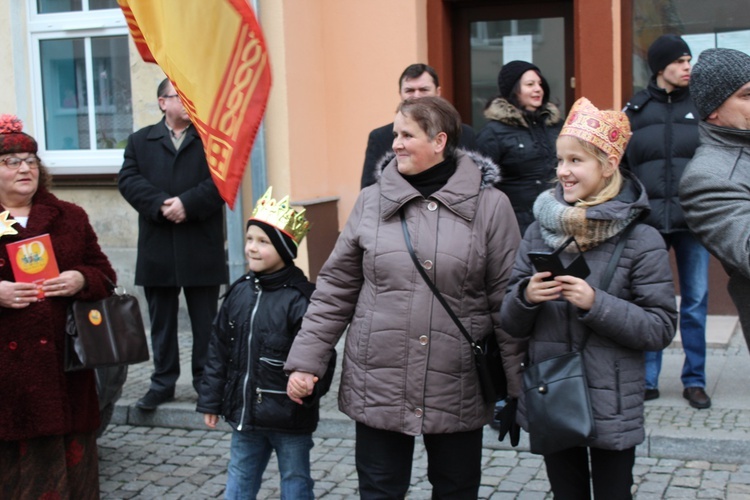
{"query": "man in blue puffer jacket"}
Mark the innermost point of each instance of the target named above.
(664, 122)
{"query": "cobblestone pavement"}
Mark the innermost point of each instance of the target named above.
(156, 462)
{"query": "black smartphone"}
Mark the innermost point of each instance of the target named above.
(550, 261)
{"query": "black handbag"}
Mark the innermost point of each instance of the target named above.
(558, 405)
(105, 332)
(487, 357)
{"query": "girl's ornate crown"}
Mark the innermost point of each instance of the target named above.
(606, 129)
(282, 216)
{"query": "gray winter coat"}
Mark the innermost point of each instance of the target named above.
(715, 196)
(406, 366)
(636, 314)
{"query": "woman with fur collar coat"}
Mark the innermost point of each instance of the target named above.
(520, 136)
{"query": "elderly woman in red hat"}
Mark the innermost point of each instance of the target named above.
(48, 418)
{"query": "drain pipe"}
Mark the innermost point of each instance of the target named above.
(235, 222)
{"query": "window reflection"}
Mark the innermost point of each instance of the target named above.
(66, 77)
(720, 23)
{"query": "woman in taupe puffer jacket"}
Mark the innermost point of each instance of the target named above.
(407, 369)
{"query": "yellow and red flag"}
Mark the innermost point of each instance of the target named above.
(215, 55)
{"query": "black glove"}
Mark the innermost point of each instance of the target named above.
(507, 418)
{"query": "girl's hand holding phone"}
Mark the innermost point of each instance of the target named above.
(541, 288)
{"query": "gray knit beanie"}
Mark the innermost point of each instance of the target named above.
(716, 76)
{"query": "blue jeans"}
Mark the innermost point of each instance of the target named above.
(692, 269)
(249, 454)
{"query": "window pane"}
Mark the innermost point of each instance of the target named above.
(103, 4)
(111, 67)
(64, 94)
(53, 6)
(720, 23)
(494, 43)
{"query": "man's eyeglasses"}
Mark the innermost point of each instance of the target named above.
(169, 96)
(15, 162)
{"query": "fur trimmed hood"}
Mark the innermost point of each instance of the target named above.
(503, 111)
(490, 171)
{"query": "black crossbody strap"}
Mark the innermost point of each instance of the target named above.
(474, 346)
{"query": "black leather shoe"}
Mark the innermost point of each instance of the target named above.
(697, 397)
(651, 394)
(152, 399)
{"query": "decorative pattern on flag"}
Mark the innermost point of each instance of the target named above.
(218, 63)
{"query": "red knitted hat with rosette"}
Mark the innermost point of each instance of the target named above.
(12, 139)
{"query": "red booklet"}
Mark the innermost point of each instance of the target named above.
(33, 260)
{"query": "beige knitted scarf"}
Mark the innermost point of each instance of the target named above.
(559, 221)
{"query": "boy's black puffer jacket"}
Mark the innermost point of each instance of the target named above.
(244, 380)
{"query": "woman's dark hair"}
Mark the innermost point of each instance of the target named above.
(45, 178)
(434, 115)
(512, 97)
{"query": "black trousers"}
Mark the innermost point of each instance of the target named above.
(384, 460)
(611, 473)
(163, 306)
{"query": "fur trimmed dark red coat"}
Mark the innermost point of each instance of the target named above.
(36, 397)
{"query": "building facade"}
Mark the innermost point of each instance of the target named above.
(77, 82)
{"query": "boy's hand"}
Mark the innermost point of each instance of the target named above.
(300, 385)
(210, 420)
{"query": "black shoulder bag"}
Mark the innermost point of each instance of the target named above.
(487, 359)
(558, 406)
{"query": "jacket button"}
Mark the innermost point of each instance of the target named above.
(423, 339)
(43, 341)
(12, 345)
(418, 412)
(427, 264)
(432, 206)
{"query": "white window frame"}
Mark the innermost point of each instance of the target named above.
(86, 25)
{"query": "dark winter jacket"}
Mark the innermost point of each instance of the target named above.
(37, 398)
(665, 136)
(379, 145)
(190, 253)
(525, 153)
(407, 368)
(244, 380)
(637, 313)
(715, 194)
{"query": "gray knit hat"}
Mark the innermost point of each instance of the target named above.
(716, 76)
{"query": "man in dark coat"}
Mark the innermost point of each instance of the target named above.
(165, 177)
(715, 189)
(664, 122)
(417, 80)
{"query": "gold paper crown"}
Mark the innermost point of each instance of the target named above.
(282, 216)
(608, 130)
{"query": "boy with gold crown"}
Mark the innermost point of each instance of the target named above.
(595, 202)
(244, 379)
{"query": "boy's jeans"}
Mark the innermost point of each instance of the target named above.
(249, 455)
(692, 268)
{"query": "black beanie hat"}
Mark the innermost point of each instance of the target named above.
(283, 243)
(718, 74)
(665, 50)
(511, 72)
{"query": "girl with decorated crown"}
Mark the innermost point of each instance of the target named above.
(594, 202)
(244, 381)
